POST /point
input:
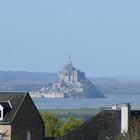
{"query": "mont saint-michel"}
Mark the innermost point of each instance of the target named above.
(70, 83)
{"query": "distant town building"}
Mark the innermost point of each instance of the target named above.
(70, 73)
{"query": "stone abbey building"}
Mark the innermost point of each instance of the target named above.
(70, 73)
(70, 83)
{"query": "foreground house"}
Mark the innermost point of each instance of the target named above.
(104, 126)
(19, 118)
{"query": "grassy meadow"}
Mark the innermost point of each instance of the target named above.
(80, 114)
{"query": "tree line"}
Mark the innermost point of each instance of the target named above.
(54, 127)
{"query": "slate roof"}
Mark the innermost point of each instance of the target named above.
(103, 126)
(135, 113)
(16, 99)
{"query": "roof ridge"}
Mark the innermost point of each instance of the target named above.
(26, 93)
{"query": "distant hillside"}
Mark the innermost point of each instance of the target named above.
(117, 85)
(28, 81)
(24, 81)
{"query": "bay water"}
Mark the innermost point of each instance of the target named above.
(71, 103)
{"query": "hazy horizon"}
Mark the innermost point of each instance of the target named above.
(102, 36)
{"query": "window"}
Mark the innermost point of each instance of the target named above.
(28, 135)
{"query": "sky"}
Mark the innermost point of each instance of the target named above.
(102, 36)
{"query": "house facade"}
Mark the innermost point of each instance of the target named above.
(19, 118)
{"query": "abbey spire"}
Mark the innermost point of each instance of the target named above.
(70, 61)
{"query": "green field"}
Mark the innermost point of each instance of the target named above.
(81, 114)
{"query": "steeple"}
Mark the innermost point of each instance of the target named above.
(70, 62)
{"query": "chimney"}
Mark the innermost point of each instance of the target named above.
(125, 116)
(114, 107)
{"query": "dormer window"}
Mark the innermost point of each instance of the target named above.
(5, 107)
(1, 112)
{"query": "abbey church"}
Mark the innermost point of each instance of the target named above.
(71, 74)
